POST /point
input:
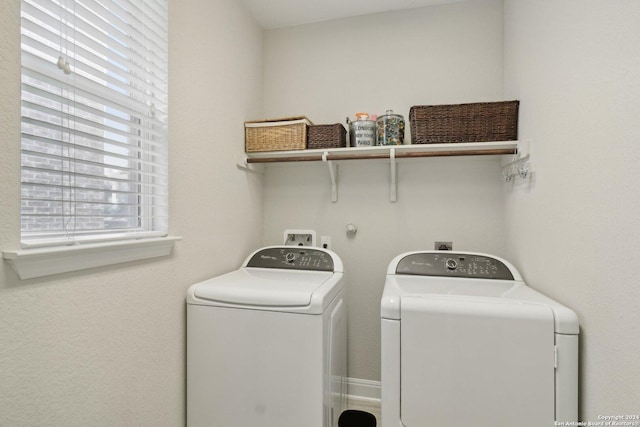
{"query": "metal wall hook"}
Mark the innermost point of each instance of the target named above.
(519, 167)
(523, 169)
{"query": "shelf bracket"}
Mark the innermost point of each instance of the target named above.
(333, 174)
(243, 163)
(393, 185)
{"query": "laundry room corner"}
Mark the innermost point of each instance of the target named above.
(449, 274)
(571, 225)
(330, 70)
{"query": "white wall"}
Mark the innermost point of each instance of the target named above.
(106, 347)
(573, 230)
(327, 71)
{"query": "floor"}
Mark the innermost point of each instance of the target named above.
(369, 405)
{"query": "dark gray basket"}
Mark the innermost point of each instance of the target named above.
(477, 122)
(326, 136)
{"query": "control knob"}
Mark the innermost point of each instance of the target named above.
(290, 257)
(452, 264)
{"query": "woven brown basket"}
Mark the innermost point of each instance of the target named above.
(289, 133)
(477, 122)
(327, 136)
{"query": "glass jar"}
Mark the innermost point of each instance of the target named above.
(390, 129)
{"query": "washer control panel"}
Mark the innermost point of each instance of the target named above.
(292, 258)
(452, 264)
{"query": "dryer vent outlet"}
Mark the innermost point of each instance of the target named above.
(299, 238)
(443, 246)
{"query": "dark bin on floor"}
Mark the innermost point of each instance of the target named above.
(353, 418)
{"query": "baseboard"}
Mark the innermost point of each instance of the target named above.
(359, 389)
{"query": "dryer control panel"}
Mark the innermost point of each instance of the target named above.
(292, 258)
(452, 264)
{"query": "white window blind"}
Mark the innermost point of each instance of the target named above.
(94, 120)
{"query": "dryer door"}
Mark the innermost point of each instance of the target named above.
(477, 362)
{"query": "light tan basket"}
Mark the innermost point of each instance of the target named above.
(288, 133)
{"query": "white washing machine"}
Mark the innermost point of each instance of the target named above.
(266, 344)
(465, 342)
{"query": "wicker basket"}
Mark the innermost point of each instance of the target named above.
(477, 122)
(327, 136)
(288, 133)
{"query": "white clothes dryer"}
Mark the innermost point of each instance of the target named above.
(266, 344)
(465, 342)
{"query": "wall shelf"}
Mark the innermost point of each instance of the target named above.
(331, 155)
(384, 152)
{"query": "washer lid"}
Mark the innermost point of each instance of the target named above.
(419, 285)
(457, 290)
(263, 287)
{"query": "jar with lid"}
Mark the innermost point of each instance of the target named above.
(362, 132)
(390, 129)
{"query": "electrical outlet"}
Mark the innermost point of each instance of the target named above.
(443, 246)
(325, 242)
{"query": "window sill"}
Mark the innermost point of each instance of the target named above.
(33, 263)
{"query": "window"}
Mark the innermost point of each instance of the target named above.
(94, 120)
